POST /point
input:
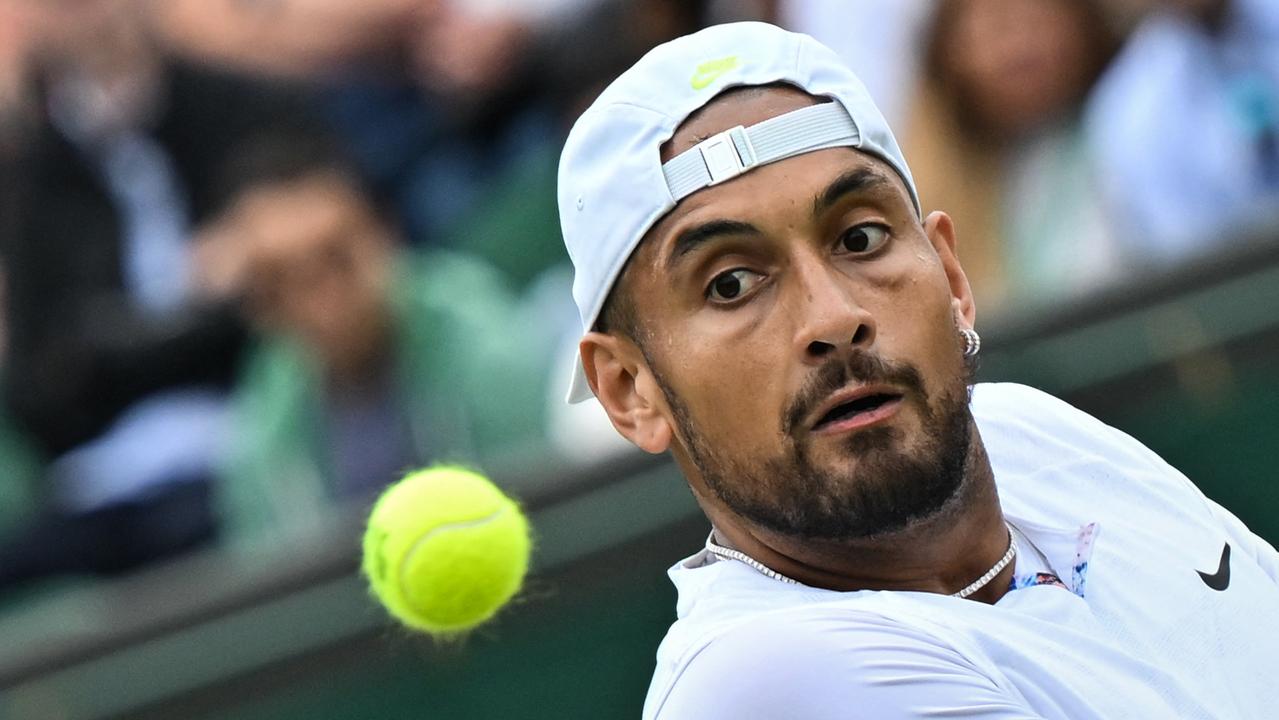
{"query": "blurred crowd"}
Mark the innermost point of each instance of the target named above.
(259, 257)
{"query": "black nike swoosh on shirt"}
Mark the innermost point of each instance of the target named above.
(1219, 580)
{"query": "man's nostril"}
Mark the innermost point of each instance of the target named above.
(818, 348)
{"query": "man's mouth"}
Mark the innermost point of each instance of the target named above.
(857, 409)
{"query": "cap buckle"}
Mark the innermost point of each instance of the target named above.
(727, 154)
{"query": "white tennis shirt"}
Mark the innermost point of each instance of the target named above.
(1111, 617)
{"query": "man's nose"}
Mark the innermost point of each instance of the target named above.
(831, 318)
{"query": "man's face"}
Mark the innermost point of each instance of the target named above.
(802, 327)
(318, 267)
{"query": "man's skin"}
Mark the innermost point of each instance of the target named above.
(734, 329)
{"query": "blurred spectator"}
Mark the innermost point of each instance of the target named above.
(115, 373)
(470, 163)
(371, 359)
(435, 97)
(454, 111)
(467, 147)
(1185, 125)
(995, 140)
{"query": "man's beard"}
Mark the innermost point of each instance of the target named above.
(889, 489)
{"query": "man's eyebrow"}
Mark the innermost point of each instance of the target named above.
(860, 180)
(690, 239)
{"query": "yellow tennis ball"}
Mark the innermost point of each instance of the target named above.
(445, 549)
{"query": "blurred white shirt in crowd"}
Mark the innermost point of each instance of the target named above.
(1185, 128)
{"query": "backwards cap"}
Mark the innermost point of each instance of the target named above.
(613, 185)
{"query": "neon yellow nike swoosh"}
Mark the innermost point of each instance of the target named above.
(708, 71)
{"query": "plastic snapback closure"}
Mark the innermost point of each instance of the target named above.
(722, 153)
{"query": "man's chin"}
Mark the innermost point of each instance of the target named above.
(840, 453)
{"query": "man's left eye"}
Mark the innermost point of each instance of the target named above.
(862, 239)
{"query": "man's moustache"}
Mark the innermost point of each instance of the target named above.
(860, 367)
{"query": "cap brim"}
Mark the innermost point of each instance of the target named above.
(579, 390)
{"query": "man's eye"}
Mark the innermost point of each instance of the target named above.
(732, 284)
(864, 238)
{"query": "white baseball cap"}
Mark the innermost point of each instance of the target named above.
(613, 185)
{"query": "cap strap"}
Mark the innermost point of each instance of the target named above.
(730, 153)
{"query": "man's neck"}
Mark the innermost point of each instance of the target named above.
(942, 554)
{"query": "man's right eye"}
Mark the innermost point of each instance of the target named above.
(731, 285)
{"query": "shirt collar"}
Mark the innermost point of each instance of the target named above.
(1067, 551)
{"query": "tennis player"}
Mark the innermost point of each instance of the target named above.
(763, 297)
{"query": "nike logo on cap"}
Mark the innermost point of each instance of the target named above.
(707, 72)
(1219, 580)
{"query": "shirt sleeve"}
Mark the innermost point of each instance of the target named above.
(827, 667)
(1238, 534)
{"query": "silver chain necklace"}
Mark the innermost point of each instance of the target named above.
(979, 583)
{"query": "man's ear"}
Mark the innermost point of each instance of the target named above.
(622, 381)
(941, 233)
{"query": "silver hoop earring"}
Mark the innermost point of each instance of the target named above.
(972, 341)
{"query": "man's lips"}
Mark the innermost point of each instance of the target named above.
(855, 408)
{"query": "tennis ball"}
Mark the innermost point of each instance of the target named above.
(445, 549)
